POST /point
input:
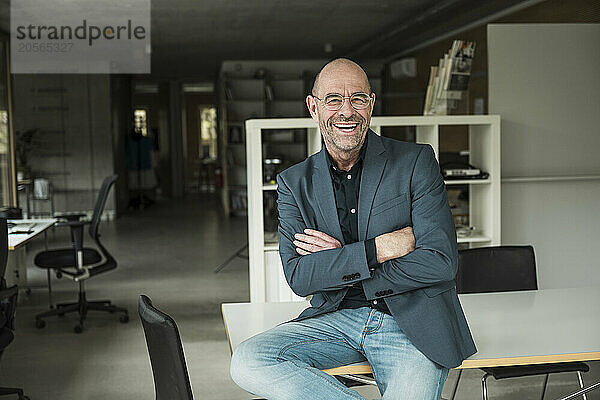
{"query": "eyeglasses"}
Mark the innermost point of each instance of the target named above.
(334, 101)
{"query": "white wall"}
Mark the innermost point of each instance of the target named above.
(544, 83)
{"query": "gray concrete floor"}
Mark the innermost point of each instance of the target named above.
(168, 252)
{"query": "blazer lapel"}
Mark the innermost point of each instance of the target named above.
(373, 166)
(323, 189)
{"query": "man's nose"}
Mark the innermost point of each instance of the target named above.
(346, 109)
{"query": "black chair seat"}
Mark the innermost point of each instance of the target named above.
(65, 258)
(535, 369)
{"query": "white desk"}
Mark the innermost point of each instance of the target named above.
(16, 268)
(514, 328)
(36, 226)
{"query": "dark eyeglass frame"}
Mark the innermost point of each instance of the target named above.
(370, 96)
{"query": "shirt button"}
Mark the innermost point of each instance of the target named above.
(349, 176)
(353, 210)
(374, 302)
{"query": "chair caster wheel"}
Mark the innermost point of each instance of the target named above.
(28, 291)
(78, 329)
(40, 323)
(124, 319)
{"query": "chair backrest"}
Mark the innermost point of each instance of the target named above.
(496, 269)
(8, 304)
(171, 380)
(3, 249)
(100, 203)
(109, 261)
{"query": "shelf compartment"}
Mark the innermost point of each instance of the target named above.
(468, 181)
(271, 242)
(474, 239)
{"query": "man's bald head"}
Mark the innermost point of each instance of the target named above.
(340, 67)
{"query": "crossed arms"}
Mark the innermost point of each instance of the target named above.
(390, 245)
(411, 258)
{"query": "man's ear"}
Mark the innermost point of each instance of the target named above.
(311, 104)
(372, 102)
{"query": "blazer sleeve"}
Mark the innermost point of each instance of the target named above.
(435, 258)
(321, 271)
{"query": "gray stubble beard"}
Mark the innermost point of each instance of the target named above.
(330, 137)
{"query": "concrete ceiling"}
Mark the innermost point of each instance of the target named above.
(190, 38)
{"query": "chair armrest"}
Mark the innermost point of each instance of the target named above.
(70, 217)
(7, 293)
(76, 232)
(8, 303)
(71, 224)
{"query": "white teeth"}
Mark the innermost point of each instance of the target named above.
(346, 127)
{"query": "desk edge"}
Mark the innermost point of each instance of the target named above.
(226, 329)
(526, 360)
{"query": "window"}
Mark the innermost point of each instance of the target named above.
(7, 185)
(140, 117)
(208, 133)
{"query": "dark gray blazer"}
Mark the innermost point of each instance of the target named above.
(401, 185)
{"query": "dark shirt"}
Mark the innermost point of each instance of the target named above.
(346, 186)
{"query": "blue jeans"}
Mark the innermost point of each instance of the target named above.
(286, 362)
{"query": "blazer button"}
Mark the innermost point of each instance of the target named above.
(377, 294)
(389, 291)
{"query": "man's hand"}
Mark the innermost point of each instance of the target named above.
(312, 241)
(394, 244)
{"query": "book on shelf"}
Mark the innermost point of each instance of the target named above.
(430, 88)
(269, 93)
(450, 79)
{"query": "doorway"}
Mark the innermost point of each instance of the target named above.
(200, 144)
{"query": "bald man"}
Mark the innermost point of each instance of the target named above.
(366, 230)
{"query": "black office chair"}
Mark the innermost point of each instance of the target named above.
(3, 250)
(506, 269)
(81, 263)
(8, 304)
(171, 380)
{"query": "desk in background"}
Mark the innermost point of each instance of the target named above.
(16, 268)
(510, 328)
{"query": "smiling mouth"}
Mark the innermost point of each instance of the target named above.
(346, 127)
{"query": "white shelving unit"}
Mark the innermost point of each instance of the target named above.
(267, 282)
(241, 98)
